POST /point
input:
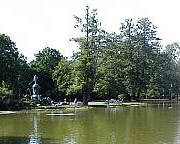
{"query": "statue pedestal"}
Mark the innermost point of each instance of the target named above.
(35, 97)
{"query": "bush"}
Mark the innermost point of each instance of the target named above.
(5, 91)
(5, 96)
(26, 104)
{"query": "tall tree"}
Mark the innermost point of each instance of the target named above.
(46, 60)
(8, 59)
(148, 50)
(88, 58)
(62, 76)
(13, 66)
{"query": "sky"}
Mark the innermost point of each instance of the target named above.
(36, 24)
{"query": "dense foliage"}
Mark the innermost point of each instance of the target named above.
(131, 64)
(44, 65)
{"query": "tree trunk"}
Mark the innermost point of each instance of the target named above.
(85, 99)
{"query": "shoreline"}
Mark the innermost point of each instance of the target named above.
(7, 112)
(100, 104)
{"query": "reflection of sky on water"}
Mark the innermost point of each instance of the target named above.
(177, 136)
(70, 140)
(34, 138)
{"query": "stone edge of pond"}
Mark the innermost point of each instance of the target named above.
(89, 107)
(7, 112)
(61, 107)
(134, 104)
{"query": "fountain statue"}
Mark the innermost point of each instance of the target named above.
(35, 88)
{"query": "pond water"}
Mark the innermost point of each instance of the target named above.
(122, 125)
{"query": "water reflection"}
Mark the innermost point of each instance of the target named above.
(34, 138)
(126, 125)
